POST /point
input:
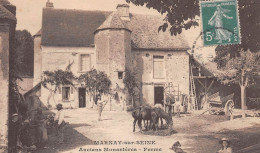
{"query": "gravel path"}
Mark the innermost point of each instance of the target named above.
(197, 133)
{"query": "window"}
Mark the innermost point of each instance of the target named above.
(158, 67)
(85, 62)
(65, 93)
(120, 75)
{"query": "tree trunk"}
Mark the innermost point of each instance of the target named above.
(243, 100)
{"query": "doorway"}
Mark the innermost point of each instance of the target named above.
(158, 95)
(82, 97)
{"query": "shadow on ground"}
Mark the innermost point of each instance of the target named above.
(243, 138)
(75, 140)
(240, 139)
(72, 138)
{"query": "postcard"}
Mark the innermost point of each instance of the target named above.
(128, 76)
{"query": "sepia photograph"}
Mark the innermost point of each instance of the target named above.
(129, 76)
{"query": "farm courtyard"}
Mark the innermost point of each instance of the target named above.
(197, 133)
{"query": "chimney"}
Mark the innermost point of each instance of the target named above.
(123, 11)
(49, 4)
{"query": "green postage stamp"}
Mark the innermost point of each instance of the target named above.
(220, 22)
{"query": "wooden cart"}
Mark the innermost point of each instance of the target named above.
(225, 105)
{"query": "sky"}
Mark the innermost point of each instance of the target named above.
(29, 12)
(29, 15)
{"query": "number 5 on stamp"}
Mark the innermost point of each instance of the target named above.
(220, 22)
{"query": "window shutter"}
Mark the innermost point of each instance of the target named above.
(85, 62)
(158, 66)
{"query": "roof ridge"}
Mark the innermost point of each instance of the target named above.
(76, 10)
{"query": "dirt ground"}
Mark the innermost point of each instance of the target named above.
(197, 133)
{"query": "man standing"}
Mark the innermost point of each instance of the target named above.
(59, 122)
(100, 105)
(177, 106)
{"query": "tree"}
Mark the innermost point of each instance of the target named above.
(21, 63)
(130, 84)
(181, 14)
(96, 81)
(24, 52)
(53, 80)
(241, 70)
(17, 59)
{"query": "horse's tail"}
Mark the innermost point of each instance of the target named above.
(135, 114)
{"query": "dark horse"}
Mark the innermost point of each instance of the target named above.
(160, 113)
(146, 113)
(141, 113)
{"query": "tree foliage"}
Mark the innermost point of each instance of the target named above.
(58, 78)
(130, 82)
(242, 70)
(180, 14)
(24, 53)
(20, 64)
(96, 81)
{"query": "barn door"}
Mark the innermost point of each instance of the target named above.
(158, 95)
(82, 97)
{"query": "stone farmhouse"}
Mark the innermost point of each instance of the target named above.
(111, 42)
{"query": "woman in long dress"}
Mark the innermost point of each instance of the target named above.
(217, 21)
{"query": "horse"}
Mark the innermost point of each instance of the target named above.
(158, 105)
(159, 113)
(142, 113)
(136, 116)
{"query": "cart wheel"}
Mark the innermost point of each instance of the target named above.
(211, 112)
(229, 107)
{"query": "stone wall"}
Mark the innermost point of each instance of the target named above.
(54, 58)
(176, 71)
(113, 48)
(4, 77)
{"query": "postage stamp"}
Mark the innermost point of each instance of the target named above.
(220, 22)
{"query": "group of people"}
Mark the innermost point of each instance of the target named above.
(173, 106)
(225, 147)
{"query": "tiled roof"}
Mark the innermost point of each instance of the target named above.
(61, 27)
(6, 14)
(113, 22)
(76, 28)
(145, 34)
(206, 70)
